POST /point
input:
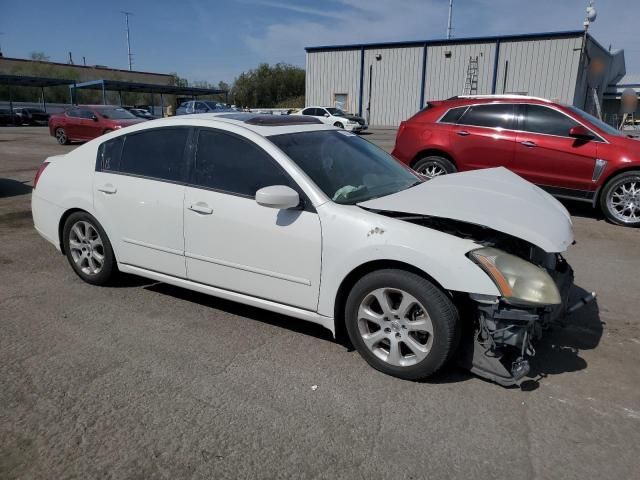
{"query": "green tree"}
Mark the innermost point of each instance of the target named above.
(268, 85)
(39, 56)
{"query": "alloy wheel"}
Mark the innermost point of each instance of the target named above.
(86, 247)
(395, 327)
(61, 136)
(623, 200)
(431, 169)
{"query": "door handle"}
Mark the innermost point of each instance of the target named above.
(463, 133)
(201, 207)
(108, 189)
(528, 143)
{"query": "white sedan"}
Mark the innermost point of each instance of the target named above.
(336, 117)
(313, 222)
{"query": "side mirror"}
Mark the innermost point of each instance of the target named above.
(326, 114)
(278, 196)
(580, 132)
(94, 118)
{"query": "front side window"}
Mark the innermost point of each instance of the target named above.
(74, 112)
(347, 168)
(544, 120)
(86, 114)
(605, 127)
(494, 115)
(231, 164)
(155, 153)
(336, 112)
(116, 113)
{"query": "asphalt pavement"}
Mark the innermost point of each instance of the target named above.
(145, 380)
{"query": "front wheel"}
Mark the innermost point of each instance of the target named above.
(338, 124)
(434, 166)
(88, 249)
(61, 136)
(620, 199)
(401, 323)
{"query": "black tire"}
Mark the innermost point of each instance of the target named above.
(61, 136)
(440, 309)
(607, 195)
(434, 164)
(338, 124)
(109, 267)
(108, 130)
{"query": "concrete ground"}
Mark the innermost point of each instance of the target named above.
(145, 380)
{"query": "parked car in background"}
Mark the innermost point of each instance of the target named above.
(336, 117)
(8, 118)
(564, 150)
(32, 116)
(284, 213)
(86, 122)
(201, 106)
(140, 112)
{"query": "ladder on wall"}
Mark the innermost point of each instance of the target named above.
(471, 82)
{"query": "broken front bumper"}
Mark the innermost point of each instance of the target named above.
(502, 341)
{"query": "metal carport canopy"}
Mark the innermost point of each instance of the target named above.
(151, 88)
(28, 81)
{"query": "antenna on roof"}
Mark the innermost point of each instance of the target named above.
(129, 54)
(449, 27)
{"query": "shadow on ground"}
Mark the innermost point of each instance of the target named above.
(582, 209)
(11, 188)
(556, 353)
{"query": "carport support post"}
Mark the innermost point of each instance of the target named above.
(153, 107)
(120, 96)
(161, 105)
(104, 95)
(44, 102)
(10, 101)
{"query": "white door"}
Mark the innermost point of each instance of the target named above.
(231, 242)
(139, 198)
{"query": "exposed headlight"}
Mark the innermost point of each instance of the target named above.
(518, 280)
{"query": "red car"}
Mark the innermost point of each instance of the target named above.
(86, 122)
(564, 150)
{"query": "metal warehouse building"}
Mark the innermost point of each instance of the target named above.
(389, 82)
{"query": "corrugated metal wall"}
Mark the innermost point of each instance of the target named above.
(445, 75)
(544, 67)
(541, 68)
(334, 72)
(395, 84)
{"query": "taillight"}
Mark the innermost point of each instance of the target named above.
(38, 173)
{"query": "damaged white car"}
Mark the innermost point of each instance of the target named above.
(316, 223)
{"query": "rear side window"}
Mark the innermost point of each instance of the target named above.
(539, 119)
(155, 153)
(496, 115)
(453, 115)
(109, 155)
(231, 164)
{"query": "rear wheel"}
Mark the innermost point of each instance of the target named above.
(61, 136)
(401, 323)
(434, 166)
(88, 249)
(620, 199)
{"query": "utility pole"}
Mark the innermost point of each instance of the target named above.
(129, 54)
(449, 28)
(1, 33)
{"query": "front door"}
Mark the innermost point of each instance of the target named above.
(138, 197)
(548, 156)
(233, 243)
(484, 137)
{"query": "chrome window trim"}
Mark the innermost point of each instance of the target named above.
(598, 138)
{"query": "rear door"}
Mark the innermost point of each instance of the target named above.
(548, 156)
(138, 197)
(235, 244)
(484, 136)
(73, 124)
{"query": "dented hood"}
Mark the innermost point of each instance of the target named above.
(496, 198)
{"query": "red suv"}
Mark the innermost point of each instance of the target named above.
(564, 150)
(86, 122)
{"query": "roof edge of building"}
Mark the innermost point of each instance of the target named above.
(451, 41)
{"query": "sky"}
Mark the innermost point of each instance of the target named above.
(213, 40)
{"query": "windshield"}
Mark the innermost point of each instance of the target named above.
(213, 105)
(605, 127)
(336, 112)
(116, 113)
(347, 168)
